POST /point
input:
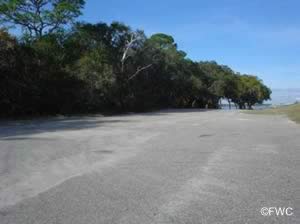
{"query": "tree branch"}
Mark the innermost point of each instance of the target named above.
(129, 44)
(139, 70)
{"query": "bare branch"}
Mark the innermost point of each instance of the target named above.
(139, 70)
(133, 39)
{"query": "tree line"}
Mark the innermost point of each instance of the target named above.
(60, 66)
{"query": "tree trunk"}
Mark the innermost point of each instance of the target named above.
(229, 102)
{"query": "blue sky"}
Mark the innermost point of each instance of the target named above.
(259, 37)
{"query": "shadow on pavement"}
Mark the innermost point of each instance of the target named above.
(16, 130)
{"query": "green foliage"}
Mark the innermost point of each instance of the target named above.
(110, 67)
(38, 17)
(251, 90)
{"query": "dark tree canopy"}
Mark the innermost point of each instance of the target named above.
(110, 68)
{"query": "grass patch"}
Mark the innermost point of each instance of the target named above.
(292, 111)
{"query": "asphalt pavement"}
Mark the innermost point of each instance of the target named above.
(171, 166)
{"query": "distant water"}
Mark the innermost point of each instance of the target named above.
(284, 96)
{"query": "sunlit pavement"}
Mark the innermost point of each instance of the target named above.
(175, 166)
